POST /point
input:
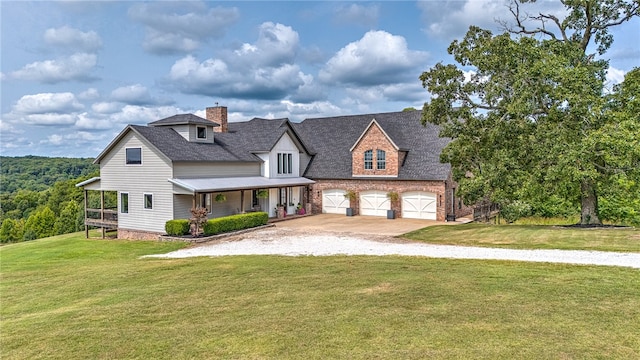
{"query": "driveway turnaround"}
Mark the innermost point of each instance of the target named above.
(290, 242)
(361, 224)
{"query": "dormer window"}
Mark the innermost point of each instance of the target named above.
(368, 160)
(381, 160)
(201, 132)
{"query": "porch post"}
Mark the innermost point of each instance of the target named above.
(102, 213)
(86, 206)
(241, 201)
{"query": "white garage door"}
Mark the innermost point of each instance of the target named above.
(334, 202)
(374, 203)
(419, 205)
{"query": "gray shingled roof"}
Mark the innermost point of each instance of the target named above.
(332, 138)
(183, 119)
(177, 148)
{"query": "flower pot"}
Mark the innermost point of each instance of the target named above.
(350, 211)
(391, 214)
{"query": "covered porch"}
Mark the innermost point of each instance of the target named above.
(225, 196)
(103, 214)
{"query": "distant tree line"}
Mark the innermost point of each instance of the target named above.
(38, 196)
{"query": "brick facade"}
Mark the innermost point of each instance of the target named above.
(439, 188)
(374, 139)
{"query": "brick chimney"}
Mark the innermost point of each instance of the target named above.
(218, 114)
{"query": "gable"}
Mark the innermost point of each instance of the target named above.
(374, 154)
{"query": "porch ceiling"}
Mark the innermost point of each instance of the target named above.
(238, 183)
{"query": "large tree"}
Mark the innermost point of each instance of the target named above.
(524, 106)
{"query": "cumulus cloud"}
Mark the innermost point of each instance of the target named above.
(75, 67)
(615, 76)
(133, 94)
(89, 94)
(366, 16)
(47, 103)
(106, 107)
(181, 27)
(264, 69)
(50, 119)
(378, 58)
(74, 39)
(75, 138)
(451, 19)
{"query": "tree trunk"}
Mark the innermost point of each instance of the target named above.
(589, 204)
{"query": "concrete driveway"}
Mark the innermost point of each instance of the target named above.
(360, 224)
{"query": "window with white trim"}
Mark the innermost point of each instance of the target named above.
(133, 156)
(124, 203)
(381, 159)
(285, 163)
(201, 132)
(205, 202)
(368, 160)
(148, 201)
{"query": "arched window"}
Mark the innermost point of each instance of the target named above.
(368, 160)
(381, 163)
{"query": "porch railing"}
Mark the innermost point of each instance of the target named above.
(102, 218)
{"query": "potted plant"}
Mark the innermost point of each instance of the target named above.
(300, 210)
(221, 198)
(352, 196)
(393, 197)
(281, 211)
(262, 194)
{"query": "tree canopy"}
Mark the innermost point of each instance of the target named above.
(530, 118)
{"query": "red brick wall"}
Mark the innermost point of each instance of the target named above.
(374, 139)
(399, 186)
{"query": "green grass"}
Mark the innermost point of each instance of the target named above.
(70, 298)
(531, 237)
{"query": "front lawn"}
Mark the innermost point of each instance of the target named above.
(531, 237)
(70, 298)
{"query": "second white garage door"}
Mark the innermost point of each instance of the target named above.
(334, 202)
(419, 205)
(374, 203)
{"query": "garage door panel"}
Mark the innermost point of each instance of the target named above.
(334, 202)
(419, 205)
(374, 203)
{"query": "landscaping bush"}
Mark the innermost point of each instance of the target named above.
(235, 222)
(515, 210)
(177, 227)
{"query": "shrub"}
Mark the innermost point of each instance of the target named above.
(235, 222)
(177, 227)
(515, 210)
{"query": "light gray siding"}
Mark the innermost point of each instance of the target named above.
(150, 177)
(204, 170)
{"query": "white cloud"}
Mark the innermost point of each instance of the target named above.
(261, 70)
(76, 67)
(132, 114)
(50, 119)
(89, 94)
(181, 27)
(85, 121)
(615, 76)
(377, 58)
(358, 14)
(75, 138)
(133, 94)
(276, 45)
(451, 19)
(47, 103)
(106, 107)
(71, 38)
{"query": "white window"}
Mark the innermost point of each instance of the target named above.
(148, 201)
(205, 202)
(368, 160)
(285, 163)
(134, 156)
(201, 132)
(124, 203)
(381, 162)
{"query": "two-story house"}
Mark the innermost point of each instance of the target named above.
(162, 170)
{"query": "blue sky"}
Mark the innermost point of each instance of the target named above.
(75, 73)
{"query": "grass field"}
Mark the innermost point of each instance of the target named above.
(70, 298)
(531, 237)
